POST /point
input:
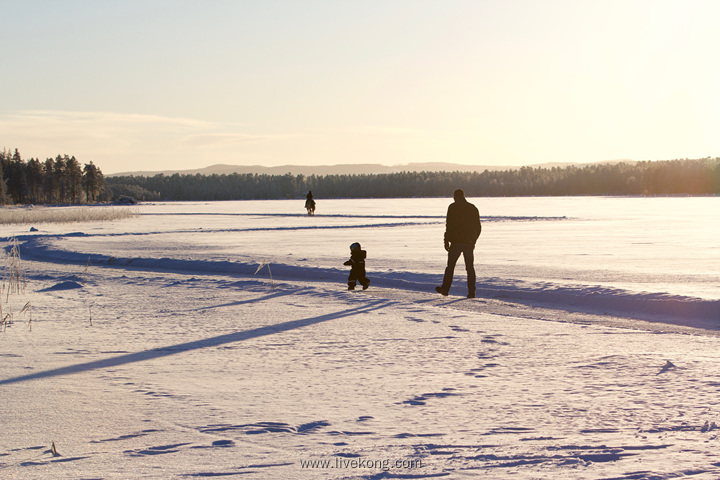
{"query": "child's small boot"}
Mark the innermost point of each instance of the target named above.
(351, 285)
(365, 283)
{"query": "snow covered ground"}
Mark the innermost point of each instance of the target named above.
(155, 349)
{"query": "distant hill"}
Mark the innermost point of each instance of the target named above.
(348, 169)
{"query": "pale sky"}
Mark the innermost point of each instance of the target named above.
(181, 84)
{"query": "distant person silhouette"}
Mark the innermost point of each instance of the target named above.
(462, 229)
(310, 204)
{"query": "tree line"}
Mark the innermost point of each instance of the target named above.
(55, 181)
(673, 177)
(62, 181)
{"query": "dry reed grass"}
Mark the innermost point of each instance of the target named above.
(36, 215)
(264, 263)
(13, 282)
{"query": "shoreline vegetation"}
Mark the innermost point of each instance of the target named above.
(656, 178)
(32, 215)
(62, 181)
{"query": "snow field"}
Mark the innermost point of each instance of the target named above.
(157, 348)
(195, 375)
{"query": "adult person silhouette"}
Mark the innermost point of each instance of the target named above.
(462, 229)
(310, 204)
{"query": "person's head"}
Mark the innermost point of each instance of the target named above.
(355, 246)
(459, 195)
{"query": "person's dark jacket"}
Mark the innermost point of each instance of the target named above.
(463, 223)
(357, 258)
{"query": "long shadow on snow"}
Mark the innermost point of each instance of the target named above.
(296, 215)
(486, 218)
(205, 231)
(245, 302)
(198, 344)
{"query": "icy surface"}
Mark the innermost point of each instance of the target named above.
(218, 340)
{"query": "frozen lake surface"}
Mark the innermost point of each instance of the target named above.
(642, 257)
(154, 348)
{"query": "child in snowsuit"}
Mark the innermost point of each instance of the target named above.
(357, 264)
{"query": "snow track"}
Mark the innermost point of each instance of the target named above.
(592, 299)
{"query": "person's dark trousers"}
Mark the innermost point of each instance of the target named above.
(358, 273)
(467, 250)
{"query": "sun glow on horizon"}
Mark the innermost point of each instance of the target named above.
(308, 83)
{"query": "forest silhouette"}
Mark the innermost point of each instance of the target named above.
(675, 177)
(62, 181)
(55, 181)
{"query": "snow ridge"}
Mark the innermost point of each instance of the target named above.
(663, 307)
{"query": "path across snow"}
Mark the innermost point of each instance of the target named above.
(135, 373)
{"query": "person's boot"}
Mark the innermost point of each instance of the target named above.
(441, 291)
(471, 295)
(366, 284)
(351, 285)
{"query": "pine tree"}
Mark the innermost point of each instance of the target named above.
(92, 181)
(59, 180)
(3, 187)
(73, 179)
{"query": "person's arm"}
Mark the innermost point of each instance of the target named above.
(448, 220)
(478, 224)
